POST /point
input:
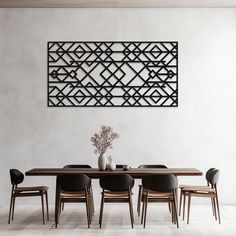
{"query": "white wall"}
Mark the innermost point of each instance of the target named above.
(200, 133)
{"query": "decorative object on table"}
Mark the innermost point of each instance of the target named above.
(102, 162)
(102, 141)
(125, 167)
(111, 165)
(113, 74)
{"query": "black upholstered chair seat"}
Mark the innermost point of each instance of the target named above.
(156, 194)
(116, 194)
(199, 190)
(74, 194)
(31, 189)
(192, 186)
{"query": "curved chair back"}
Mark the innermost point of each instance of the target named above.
(73, 183)
(77, 166)
(209, 173)
(152, 166)
(17, 177)
(117, 182)
(160, 182)
(213, 180)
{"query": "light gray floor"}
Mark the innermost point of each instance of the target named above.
(116, 221)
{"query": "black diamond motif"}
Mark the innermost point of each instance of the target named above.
(155, 51)
(79, 51)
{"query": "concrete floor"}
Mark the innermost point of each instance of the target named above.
(116, 221)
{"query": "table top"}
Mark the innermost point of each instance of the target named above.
(96, 174)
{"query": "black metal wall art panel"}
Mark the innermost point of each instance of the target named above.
(112, 74)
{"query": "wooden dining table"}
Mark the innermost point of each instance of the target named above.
(95, 173)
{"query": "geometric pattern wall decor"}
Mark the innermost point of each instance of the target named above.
(113, 74)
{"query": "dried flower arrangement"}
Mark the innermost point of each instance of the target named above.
(103, 140)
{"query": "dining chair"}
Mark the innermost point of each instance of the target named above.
(83, 166)
(76, 189)
(207, 192)
(17, 178)
(183, 196)
(117, 188)
(160, 188)
(140, 191)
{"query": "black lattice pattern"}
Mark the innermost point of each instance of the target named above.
(113, 74)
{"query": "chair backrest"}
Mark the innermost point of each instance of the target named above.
(17, 177)
(73, 183)
(213, 180)
(77, 166)
(117, 182)
(152, 166)
(209, 173)
(160, 182)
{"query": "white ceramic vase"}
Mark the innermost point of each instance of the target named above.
(102, 162)
(111, 166)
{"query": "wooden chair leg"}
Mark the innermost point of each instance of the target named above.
(175, 209)
(176, 199)
(57, 196)
(139, 199)
(143, 209)
(90, 206)
(180, 201)
(13, 208)
(92, 200)
(101, 209)
(42, 206)
(145, 213)
(131, 210)
(218, 207)
(60, 201)
(214, 207)
(172, 212)
(46, 196)
(62, 206)
(189, 204)
(11, 202)
(87, 207)
(169, 206)
(55, 215)
(184, 205)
